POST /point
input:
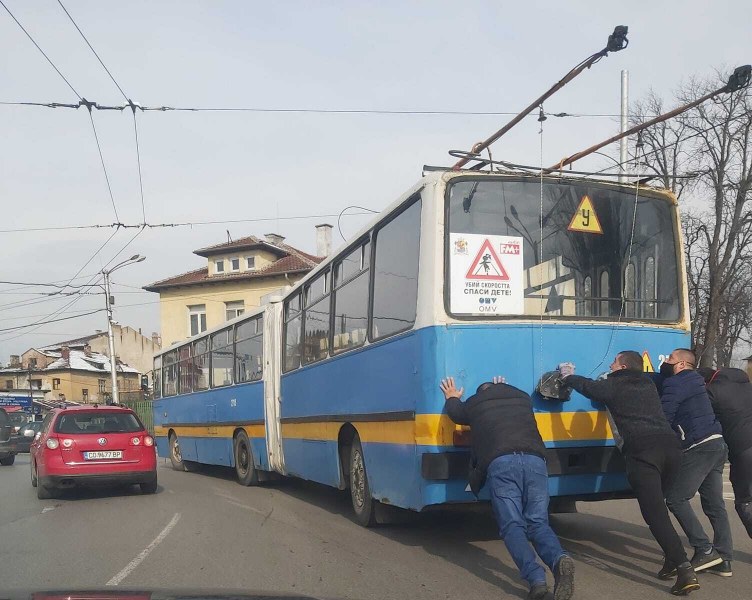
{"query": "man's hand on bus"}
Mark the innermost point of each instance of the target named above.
(499, 379)
(566, 369)
(450, 390)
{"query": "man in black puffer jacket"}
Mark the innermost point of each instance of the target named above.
(508, 448)
(687, 407)
(651, 452)
(731, 395)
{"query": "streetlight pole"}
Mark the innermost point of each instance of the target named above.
(108, 303)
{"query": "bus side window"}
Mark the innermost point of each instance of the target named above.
(291, 335)
(221, 358)
(351, 299)
(157, 377)
(395, 273)
(630, 292)
(170, 373)
(201, 364)
(185, 370)
(604, 292)
(316, 319)
(650, 288)
(249, 350)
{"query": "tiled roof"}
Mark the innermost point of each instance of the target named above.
(78, 360)
(248, 242)
(292, 261)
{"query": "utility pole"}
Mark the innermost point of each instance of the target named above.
(31, 391)
(108, 303)
(624, 124)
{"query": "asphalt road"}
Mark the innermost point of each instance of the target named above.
(204, 531)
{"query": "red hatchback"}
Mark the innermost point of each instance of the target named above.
(92, 445)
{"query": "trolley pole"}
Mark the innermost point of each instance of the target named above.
(624, 124)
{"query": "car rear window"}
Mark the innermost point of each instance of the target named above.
(97, 422)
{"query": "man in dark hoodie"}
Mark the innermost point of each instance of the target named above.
(509, 452)
(651, 451)
(731, 396)
(687, 407)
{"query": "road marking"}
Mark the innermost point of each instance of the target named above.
(47, 509)
(241, 505)
(145, 552)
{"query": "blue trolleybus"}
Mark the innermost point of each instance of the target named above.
(469, 274)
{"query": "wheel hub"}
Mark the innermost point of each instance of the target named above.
(358, 479)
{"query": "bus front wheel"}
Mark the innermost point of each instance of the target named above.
(360, 492)
(244, 467)
(176, 458)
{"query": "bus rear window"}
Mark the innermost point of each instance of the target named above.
(506, 259)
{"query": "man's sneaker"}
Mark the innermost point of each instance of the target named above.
(668, 570)
(686, 581)
(723, 569)
(564, 579)
(539, 591)
(704, 560)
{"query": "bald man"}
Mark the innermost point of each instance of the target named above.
(688, 409)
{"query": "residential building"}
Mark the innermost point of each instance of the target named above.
(237, 276)
(65, 373)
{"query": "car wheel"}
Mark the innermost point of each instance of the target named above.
(149, 487)
(33, 475)
(44, 493)
(244, 467)
(360, 492)
(176, 458)
(8, 460)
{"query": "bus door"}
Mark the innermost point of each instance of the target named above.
(272, 371)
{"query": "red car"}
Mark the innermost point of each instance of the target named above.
(92, 445)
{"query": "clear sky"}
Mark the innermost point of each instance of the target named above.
(451, 56)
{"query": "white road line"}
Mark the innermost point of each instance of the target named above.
(47, 509)
(245, 506)
(145, 552)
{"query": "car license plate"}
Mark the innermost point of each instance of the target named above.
(103, 454)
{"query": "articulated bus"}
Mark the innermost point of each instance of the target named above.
(469, 274)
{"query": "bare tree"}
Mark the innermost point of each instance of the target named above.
(713, 143)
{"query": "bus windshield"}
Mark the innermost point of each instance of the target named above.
(501, 262)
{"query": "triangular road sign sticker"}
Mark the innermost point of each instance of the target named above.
(487, 265)
(647, 364)
(585, 219)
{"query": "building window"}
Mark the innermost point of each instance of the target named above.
(33, 363)
(219, 266)
(235, 264)
(55, 384)
(8, 384)
(101, 386)
(85, 395)
(250, 262)
(234, 309)
(197, 319)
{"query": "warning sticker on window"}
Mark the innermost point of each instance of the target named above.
(585, 219)
(487, 274)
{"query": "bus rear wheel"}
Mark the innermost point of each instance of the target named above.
(244, 467)
(360, 492)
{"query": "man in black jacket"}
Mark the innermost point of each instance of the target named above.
(687, 407)
(508, 448)
(651, 451)
(731, 396)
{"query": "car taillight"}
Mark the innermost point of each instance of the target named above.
(148, 440)
(135, 441)
(52, 443)
(67, 443)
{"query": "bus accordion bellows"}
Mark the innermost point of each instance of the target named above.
(470, 274)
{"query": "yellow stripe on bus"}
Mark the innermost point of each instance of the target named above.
(425, 430)
(209, 431)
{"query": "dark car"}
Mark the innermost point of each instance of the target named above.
(7, 442)
(25, 436)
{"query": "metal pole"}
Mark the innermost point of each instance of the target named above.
(31, 392)
(110, 335)
(624, 124)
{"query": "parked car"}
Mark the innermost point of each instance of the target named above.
(7, 443)
(92, 445)
(25, 436)
(18, 419)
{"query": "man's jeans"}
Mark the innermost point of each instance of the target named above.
(702, 470)
(519, 496)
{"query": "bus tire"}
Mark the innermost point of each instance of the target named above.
(364, 505)
(243, 455)
(176, 458)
